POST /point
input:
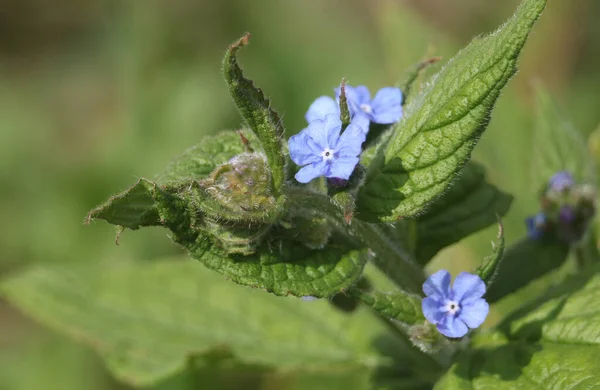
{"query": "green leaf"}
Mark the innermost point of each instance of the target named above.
(565, 314)
(489, 268)
(509, 366)
(390, 255)
(398, 305)
(133, 208)
(557, 145)
(470, 205)
(257, 112)
(199, 161)
(551, 343)
(147, 320)
(524, 262)
(433, 141)
(287, 267)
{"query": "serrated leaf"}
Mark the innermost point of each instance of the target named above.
(524, 262)
(287, 267)
(557, 145)
(397, 305)
(553, 343)
(470, 205)
(147, 320)
(441, 126)
(257, 112)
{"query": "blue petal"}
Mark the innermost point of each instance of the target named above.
(474, 313)
(342, 167)
(361, 120)
(432, 310)
(387, 106)
(350, 142)
(311, 171)
(355, 97)
(452, 327)
(322, 107)
(317, 132)
(467, 288)
(437, 286)
(302, 149)
(333, 126)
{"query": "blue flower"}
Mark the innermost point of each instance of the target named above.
(322, 151)
(454, 309)
(536, 225)
(561, 181)
(385, 108)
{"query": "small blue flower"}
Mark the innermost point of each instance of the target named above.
(454, 309)
(385, 108)
(536, 225)
(322, 151)
(561, 181)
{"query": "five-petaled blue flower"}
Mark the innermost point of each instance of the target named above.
(561, 181)
(536, 225)
(385, 108)
(454, 309)
(322, 151)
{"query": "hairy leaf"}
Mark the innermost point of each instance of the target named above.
(133, 208)
(441, 126)
(287, 267)
(398, 305)
(149, 320)
(523, 262)
(199, 161)
(488, 269)
(470, 205)
(256, 111)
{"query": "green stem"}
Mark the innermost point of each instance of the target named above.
(388, 255)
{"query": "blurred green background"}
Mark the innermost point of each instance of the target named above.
(96, 93)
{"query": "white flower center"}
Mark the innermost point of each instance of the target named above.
(366, 108)
(451, 307)
(327, 154)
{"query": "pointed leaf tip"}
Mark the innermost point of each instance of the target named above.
(490, 264)
(256, 111)
(441, 126)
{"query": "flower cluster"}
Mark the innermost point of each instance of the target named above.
(323, 149)
(454, 309)
(566, 209)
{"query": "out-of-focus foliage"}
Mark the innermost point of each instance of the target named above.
(91, 91)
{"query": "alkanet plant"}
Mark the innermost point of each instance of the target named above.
(303, 217)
